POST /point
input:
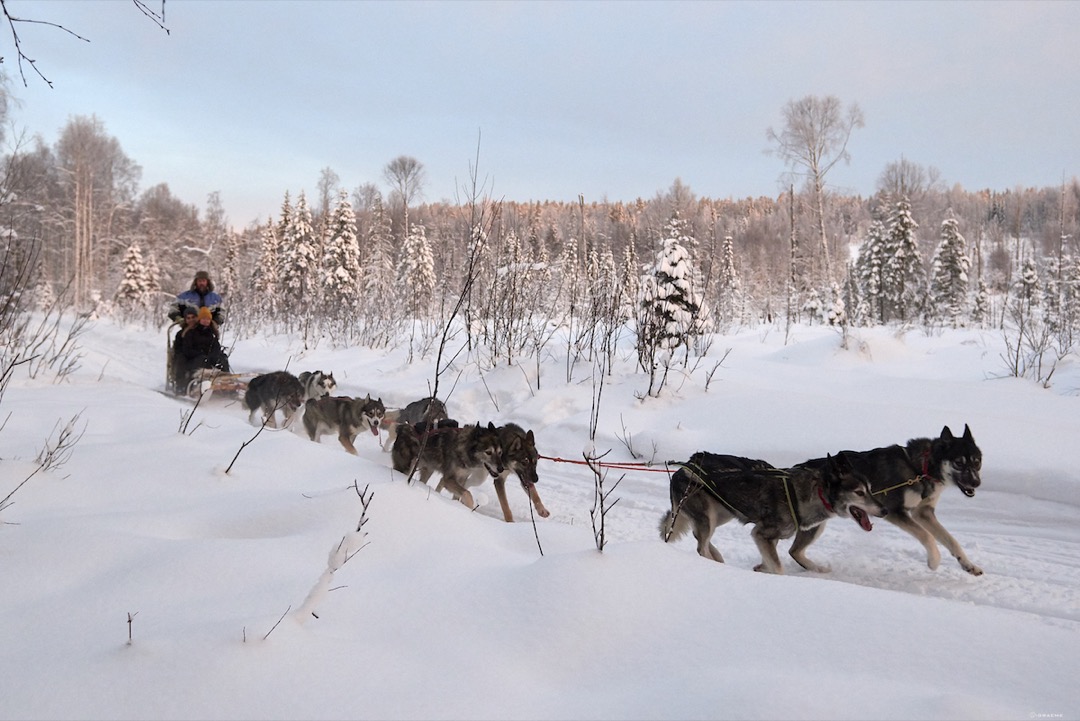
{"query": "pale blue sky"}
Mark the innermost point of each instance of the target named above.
(605, 99)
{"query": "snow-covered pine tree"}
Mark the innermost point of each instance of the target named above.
(949, 276)
(265, 279)
(1028, 286)
(228, 286)
(729, 287)
(379, 247)
(980, 311)
(133, 292)
(153, 279)
(629, 279)
(341, 271)
(812, 306)
(300, 256)
(870, 271)
(416, 273)
(835, 312)
(672, 295)
(904, 275)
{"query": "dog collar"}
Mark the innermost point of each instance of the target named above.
(824, 500)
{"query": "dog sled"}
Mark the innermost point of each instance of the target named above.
(203, 381)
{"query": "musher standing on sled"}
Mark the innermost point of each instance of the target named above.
(200, 295)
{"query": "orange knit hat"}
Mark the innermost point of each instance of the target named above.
(205, 314)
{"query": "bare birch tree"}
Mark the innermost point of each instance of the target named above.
(814, 138)
(405, 175)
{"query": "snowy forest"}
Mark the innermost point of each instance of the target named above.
(372, 265)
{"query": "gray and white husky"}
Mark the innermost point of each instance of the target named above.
(317, 384)
(344, 416)
(711, 489)
(426, 410)
(455, 452)
(519, 456)
(908, 480)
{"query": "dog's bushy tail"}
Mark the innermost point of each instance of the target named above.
(673, 527)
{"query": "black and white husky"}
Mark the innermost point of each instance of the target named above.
(711, 489)
(908, 480)
(273, 392)
(317, 384)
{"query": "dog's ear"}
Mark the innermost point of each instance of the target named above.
(967, 434)
(530, 437)
(491, 426)
(946, 434)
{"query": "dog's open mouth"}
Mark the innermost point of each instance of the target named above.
(861, 518)
(374, 429)
(966, 490)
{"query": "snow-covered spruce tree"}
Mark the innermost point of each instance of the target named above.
(228, 284)
(812, 306)
(133, 294)
(671, 312)
(949, 277)
(629, 279)
(1070, 300)
(870, 271)
(379, 250)
(835, 310)
(604, 299)
(340, 268)
(904, 275)
(300, 259)
(980, 311)
(729, 287)
(416, 274)
(153, 284)
(265, 301)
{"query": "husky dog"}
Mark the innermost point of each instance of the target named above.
(344, 416)
(317, 384)
(426, 410)
(519, 457)
(710, 490)
(908, 480)
(271, 392)
(455, 452)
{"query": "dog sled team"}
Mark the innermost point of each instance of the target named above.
(900, 484)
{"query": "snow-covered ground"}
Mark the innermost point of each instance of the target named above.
(223, 580)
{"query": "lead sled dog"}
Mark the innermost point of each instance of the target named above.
(908, 481)
(711, 489)
(344, 416)
(457, 453)
(519, 456)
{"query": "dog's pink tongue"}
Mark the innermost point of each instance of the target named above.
(861, 518)
(374, 430)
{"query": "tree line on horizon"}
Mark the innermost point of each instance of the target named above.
(356, 263)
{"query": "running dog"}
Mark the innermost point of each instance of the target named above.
(343, 415)
(519, 456)
(426, 410)
(455, 452)
(711, 489)
(317, 384)
(908, 481)
(272, 392)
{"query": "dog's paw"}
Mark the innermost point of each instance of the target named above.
(970, 567)
(544, 513)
